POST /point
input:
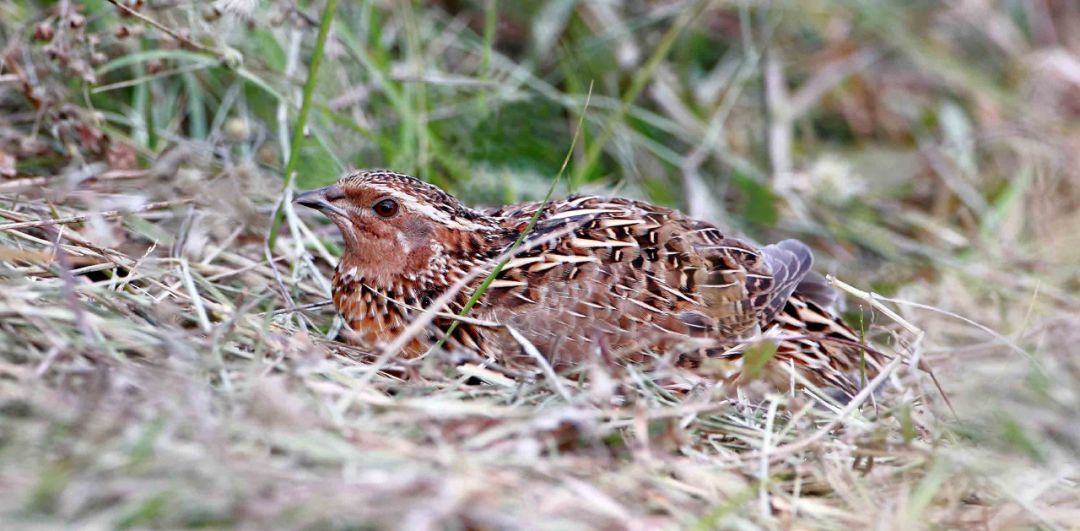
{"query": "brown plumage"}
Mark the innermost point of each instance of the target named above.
(596, 277)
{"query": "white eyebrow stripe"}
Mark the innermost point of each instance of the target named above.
(410, 203)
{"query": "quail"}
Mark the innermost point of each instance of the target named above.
(594, 277)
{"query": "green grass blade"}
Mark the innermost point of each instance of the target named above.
(305, 110)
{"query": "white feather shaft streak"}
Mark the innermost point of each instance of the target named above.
(585, 243)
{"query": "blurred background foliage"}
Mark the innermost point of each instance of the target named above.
(927, 150)
(887, 133)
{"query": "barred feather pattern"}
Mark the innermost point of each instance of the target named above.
(596, 277)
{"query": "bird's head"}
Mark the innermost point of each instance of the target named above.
(396, 227)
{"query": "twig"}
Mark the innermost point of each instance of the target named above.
(196, 299)
(194, 67)
(763, 470)
(473, 370)
(83, 217)
(549, 372)
(300, 308)
(67, 287)
(167, 30)
(874, 300)
(279, 282)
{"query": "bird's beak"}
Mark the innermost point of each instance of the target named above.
(322, 199)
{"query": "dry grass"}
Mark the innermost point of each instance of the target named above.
(158, 370)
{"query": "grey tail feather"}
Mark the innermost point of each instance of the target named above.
(816, 288)
(790, 262)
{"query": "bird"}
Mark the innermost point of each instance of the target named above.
(584, 278)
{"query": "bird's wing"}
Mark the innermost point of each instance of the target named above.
(789, 262)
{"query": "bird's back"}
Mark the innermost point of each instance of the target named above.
(624, 279)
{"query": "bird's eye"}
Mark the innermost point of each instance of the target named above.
(385, 207)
